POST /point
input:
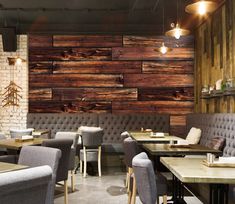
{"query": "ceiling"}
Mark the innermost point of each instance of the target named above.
(93, 16)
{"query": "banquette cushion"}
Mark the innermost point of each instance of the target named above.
(216, 143)
(194, 135)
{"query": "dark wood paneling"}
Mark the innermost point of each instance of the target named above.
(40, 41)
(175, 94)
(89, 67)
(168, 67)
(158, 80)
(40, 67)
(75, 80)
(95, 94)
(87, 41)
(156, 41)
(48, 54)
(40, 94)
(149, 53)
(178, 130)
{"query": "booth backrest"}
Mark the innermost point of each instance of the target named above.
(215, 125)
(113, 124)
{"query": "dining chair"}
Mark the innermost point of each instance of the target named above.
(149, 185)
(34, 156)
(92, 141)
(131, 149)
(62, 172)
(25, 186)
(16, 133)
(74, 136)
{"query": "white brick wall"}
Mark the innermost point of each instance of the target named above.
(12, 116)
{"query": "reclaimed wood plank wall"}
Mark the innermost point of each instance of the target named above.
(215, 58)
(117, 74)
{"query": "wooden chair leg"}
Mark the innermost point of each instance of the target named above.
(134, 189)
(127, 177)
(65, 192)
(99, 160)
(72, 181)
(164, 199)
(81, 166)
(85, 162)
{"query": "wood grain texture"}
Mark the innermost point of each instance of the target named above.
(40, 94)
(40, 41)
(149, 53)
(65, 54)
(95, 94)
(175, 94)
(75, 80)
(158, 80)
(99, 67)
(40, 67)
(87, 41)
(168, 67)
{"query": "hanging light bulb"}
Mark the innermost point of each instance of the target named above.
(18, 61)
(163, 49)
(201, 7)
(177, 32)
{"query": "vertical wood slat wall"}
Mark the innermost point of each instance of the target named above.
(215, 58)
(116, 74)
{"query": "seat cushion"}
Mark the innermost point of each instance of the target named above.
(194, 135)
(91, 155)
(216, 143)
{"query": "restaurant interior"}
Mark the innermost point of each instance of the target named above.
(117, 101)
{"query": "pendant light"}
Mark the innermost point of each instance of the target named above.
(163, 49)
(176, 31)
(201, 7)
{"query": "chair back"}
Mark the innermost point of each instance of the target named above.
(131, 149)
(15, 133)
(68, 135)
(92, 138)
(145, 178)
(25, 186)
(34, 156)
(65, 146)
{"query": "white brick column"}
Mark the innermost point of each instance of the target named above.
(13, 116)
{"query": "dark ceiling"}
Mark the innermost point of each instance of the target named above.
(93, 16)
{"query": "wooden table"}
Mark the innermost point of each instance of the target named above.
(41, 133)
(166, 149)
(144, 137)
(13, 145)
(192, 170)
(5, 167)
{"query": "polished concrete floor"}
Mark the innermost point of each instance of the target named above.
(109, 189)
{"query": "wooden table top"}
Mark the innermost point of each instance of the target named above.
(5, 167)
(192, 170)
(145, 137)
(40, 132)
(166, 149)
(12, 144)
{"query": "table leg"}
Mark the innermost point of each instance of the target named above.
(219, 193)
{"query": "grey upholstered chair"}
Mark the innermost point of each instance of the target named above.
(92, 141)
(37, 156)
(62, 173)
(25, 186)
(16, 133)
(74, 136)
(149, 185)
(2, 137)
(131, 149)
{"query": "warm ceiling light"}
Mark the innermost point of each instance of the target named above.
(201, 7)
(177, 32)
(15, 60)
(163, 49)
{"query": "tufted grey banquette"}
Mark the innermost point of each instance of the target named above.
(113, 124)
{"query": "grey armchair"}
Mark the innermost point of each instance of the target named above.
(149, 185)
(25, 186)
(92, 141)
(62, 173)
(16, 133)
(73, 136)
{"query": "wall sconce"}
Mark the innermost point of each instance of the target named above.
(15, 60)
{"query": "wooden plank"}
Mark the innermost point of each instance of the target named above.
(40, 67)
(149, 53)
(162, 107)
(150, 41)
(75, 80)
(70, 107)
(95, 94)
(168, 67)
(178, 130)
(40, 94)
(158, 80)
(87, 40)
(48, 54)
(99, 67)
(40, 41)
(178, 120)
(175, 94)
